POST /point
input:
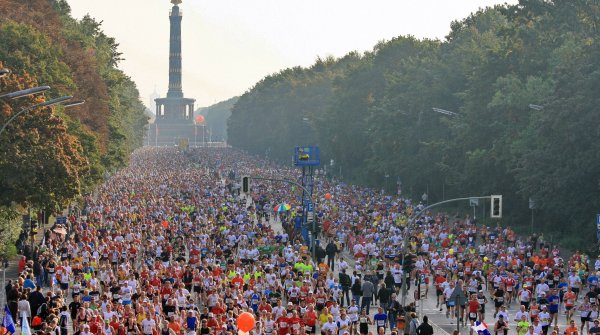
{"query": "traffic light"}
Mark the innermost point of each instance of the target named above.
(245, 184)
(33, 228)
(496, 207)
(409, 263)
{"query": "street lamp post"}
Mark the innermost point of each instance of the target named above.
(24, 93)
(27, 109)
(43, 104)
(445, 112)
(406, 235)
(532, 206)
(536, 107)
(387, 177)
(4, 72)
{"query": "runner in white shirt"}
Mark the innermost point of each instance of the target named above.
(504, 314)
(329, 326)
(544, 318)
(353, 315)
(343, 323)
(520, 313)
(148, 325)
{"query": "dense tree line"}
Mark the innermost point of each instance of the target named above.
(373, 114)
(51, 155)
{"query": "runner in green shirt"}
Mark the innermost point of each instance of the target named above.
(523, 325)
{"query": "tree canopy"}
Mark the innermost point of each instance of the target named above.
(373, 114)
(54, 154)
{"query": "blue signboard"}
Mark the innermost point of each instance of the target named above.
(306, 156)
(61, 220)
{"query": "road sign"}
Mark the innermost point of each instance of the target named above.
(598, 221)
(306, 156)
(473, 202)
(599, 234)
(458, 296)
(310, 216)
(532, 204)
(310, 207)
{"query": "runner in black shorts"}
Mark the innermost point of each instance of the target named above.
(482, 301)
(498, 297)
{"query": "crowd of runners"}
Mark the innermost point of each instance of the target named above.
(169, 246)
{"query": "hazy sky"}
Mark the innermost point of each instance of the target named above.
(229, 45)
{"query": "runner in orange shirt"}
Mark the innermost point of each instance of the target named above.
(571, 329)
(569, 300)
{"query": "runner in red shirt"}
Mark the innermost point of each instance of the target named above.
(213, 323)
(310, 319)
(439, 290)
(238, 281)
(295, 323)
(473, 309)
(310, 299)
(509, 283)
(283, 324)
(264, 306)
(166, 290)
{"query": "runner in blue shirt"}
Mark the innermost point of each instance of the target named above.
(380, 318)
(254, 300)
(592, 281)
(553, 304)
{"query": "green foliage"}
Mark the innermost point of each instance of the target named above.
(55, 154)
(43, 165)
(287, 104)
(26, 50)
(126, 117)
(373, 115)
(9, 231)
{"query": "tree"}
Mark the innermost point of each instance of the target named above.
(43, 164)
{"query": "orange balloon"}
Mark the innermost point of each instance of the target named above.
(245, 322)
(328, 196)
(165, 224)
(200, 119)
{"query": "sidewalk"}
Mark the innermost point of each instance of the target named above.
(12, 271)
